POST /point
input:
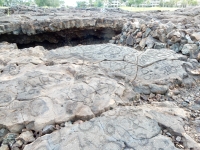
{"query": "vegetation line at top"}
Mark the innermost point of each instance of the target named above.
(103, 3)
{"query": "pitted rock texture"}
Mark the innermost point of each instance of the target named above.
(108, 132)
(122, 128)
(40, 88)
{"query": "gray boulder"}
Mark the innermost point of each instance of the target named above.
(189, 49)
(159, 45)
(130, 40)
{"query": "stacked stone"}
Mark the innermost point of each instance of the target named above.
(32, 10)
(154, 34)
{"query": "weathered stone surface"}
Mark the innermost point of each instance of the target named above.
(27, 136)
(3, 132)
(9, 139)
(176, 47)
(17, 144)
(198, 56)
(188, 38)
(132, 127)
(189, 48)
(41, 88)
(129, 40)
(82, 97)
(159, 45)
(26, 24)
(142, 43)
(196, 36)
(4, 147)
(82, 82)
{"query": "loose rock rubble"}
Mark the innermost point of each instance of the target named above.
(145, 35)
(144, 95)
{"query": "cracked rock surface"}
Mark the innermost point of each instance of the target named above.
(122, 128)
(127, 129)
(94, 87)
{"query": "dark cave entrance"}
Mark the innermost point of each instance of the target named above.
(68, 37)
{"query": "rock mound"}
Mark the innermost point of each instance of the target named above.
(157, 35)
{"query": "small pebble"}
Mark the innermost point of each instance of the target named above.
(180, 146)
(48, 129)
(164, 130)
(178, 138)
(78, 122)
(57, 127)
(15, 148)
(187, 100)
(18, 143)
(176, 92)
(169, 134)
(151, 95)
(4, 147)
(62, 124)
(184, 104)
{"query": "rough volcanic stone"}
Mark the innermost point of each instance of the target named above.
(158, 89)
(142, 43)
(187, 48)
(155, 34)
(4, 147)
(112, 41)
(198, 56)
(194, 52)
(189, 39)
(175, 47)
(3, 132)
(139, 35)
(99, 66)
(9, 139)
(162, 37)
(39, 88)
(148, 30)
(27, 136)
(129, 40)
(135, 127)
(150, 42)
(196, 36)
(143, 27)
(159, 45)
